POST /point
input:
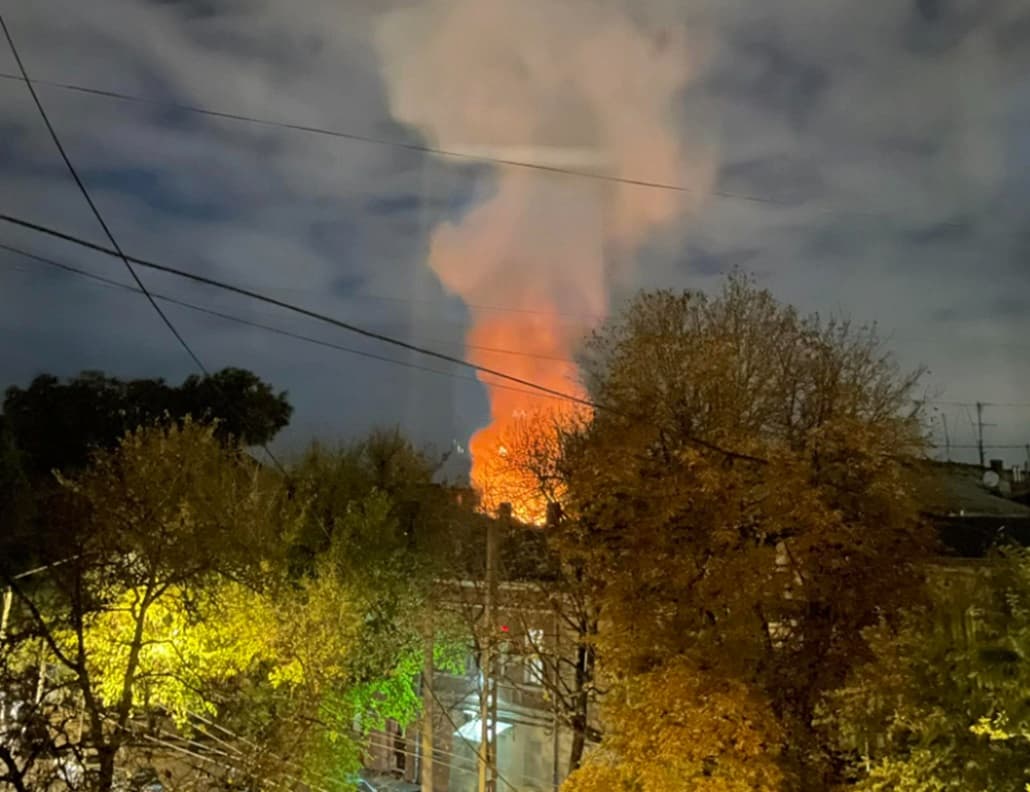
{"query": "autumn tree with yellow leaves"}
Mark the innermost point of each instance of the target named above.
(739, 502)
(262, 624)
(944, 703)
(171, 528)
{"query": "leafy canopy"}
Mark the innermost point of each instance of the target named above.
(57, 425)
(944, 703)
(741, 504)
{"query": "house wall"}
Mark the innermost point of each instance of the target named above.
(529, 755)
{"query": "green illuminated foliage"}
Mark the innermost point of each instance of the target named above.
(172, 531)
(204, 593)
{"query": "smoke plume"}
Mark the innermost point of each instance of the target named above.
(587, 84)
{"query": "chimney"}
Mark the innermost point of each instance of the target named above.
(553, 515)
(504, 512)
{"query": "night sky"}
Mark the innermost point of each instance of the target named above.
(867, 159)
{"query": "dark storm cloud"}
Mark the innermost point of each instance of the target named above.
(760, 71)
(156, 190)
(200, 9)
(1011, 307)
(394, 204)
(946, 315)
(936, 26)
(1001, 310)
(943, 233)
(784, 180)
(835, 240)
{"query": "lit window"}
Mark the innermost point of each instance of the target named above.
(534, 662)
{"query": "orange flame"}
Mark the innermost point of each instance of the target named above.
(519, 250)
(530, 80)
(545, 346)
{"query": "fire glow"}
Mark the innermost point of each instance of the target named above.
(545, 345)
(579, 85)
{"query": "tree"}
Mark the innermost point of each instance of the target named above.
(361, 570)
(741, 505)
(244, 407)
(680, 727)
(16, 502)
(208, 603)
(57, 425)
(942, 704)
(530, 473)
(168, 520)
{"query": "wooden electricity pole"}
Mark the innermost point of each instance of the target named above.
(980, 432)
(426, 756)
(487, 660)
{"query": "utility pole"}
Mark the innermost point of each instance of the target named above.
(8, 598)
(554, 516)
(5, 616)
(488, 685)
(426, 757)
(555, 718)
(980, 432)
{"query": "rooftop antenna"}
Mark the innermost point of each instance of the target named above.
(980, 431)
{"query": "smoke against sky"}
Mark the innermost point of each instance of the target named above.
(888, 143)
(558, 83)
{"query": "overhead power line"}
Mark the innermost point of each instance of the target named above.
(373, 356)
(258, 325)
(973, 404)
(379, 141)
(340, 347)
(357, 330)
(973, 446)
(348, 326)
(89, 200)
(372, 140)
(100, 218)
(436, 150)
(361, 353)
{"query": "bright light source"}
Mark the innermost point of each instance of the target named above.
(473, 730)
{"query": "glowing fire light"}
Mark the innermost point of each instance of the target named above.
(582, 85)
(545, 343)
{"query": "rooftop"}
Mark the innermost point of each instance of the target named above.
(952, 489)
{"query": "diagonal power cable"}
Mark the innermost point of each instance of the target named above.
(312, 314)
(257, 325)
(357, 330)
(89, 200)
(117, 250)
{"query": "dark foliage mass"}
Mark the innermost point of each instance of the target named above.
(56, 425)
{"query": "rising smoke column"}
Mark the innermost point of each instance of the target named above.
(538, 79)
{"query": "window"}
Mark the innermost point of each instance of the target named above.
(534, 662)
(400, 750)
